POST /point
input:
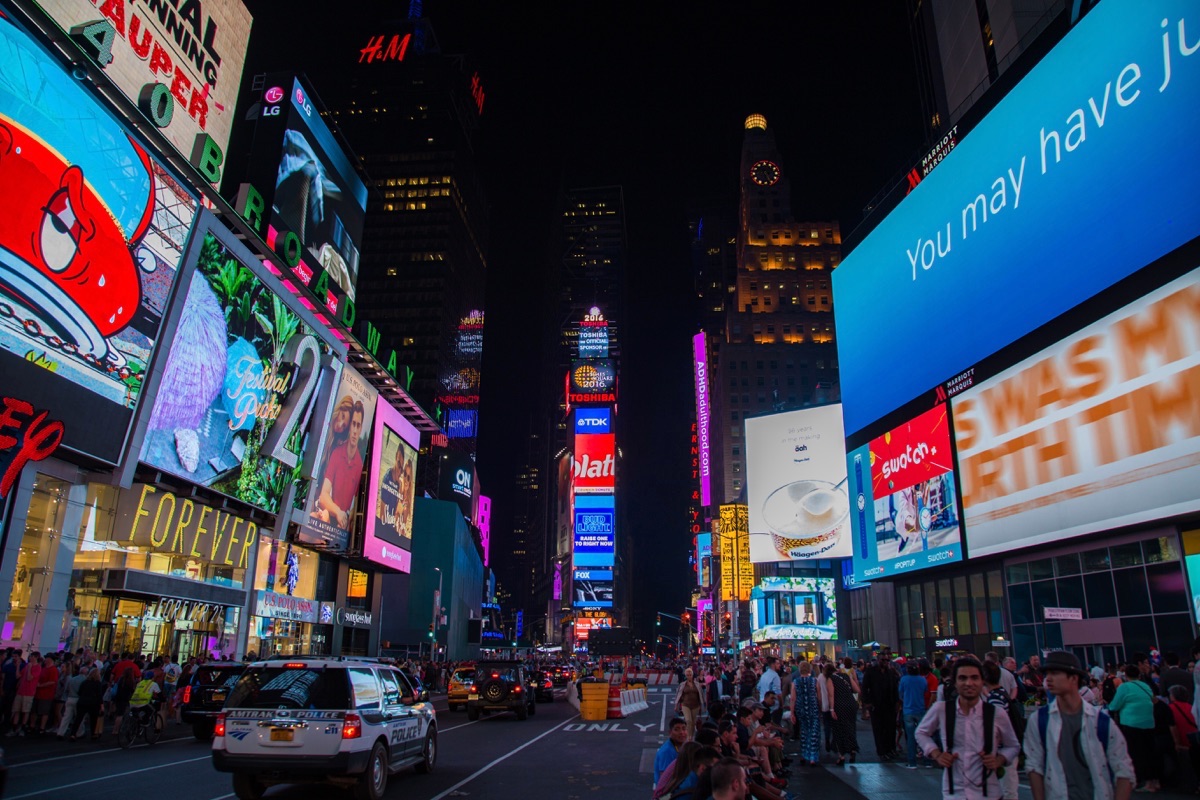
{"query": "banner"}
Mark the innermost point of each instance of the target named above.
(388, 538)
(731, 534)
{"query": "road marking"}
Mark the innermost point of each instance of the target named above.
(662, 722)
(484, 769)
(456, 727)
(644, 728)
(108, 777)
(595, 726)
(95, 753)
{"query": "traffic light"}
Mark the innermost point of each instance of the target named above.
(725, 622)
(431, 630)
(687, 617)
(658, 621)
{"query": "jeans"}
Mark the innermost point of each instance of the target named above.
(911, 721)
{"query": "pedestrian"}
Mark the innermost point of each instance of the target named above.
(843, 712)
(669, 751)
(1072, 749)
(171, 673)
(1133, 705)
(997, 695)
(879, 690)
(689, 701)
(974, 744)
(807, 715)
(680, 770)
(728, 780)
(1175, 675)
(122, 690)
(1184, 729)
(823, 695)
(769, 682)
(43, 697)
(913, 689)
(91, 694)
(27, 686)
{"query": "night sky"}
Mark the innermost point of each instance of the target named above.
(650, 96)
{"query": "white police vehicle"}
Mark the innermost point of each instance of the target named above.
(345, 721)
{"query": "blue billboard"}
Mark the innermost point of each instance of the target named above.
(595, 517)
(1086, 172)
(593, 420)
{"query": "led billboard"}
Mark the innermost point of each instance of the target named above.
(594, 463)
(333, 494)
(584, 625)
(731, 547)
(309, 184)
(703, 432)
(704, 551)
(804, 609)
(595, 531)
(462, 423)
(1089, 164)
(388, 538)
(92, 235)
(180, 63)
(592, 588)
(233, 403)
(1099, 431)
(906, 512)
(795, 471)
(456, 481)
(593, 420)
(592, 382)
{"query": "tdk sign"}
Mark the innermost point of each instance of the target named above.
(593, 420)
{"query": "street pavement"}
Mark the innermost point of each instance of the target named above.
(553, 754)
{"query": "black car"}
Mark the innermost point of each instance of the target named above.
(502, 686)
(204, 696)
(543, 687)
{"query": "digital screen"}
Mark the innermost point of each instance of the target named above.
(703, 557)
(905, 514)
(595, 531)
(593, 420)
(801, 609)
(1098, 431)
(592, 588)
(596, 377)
(333, 494)
(1088, 164)
(1192, 565)
(92, 235)
(795, 476)
(594, 467)
(239, 383)
(593, 341)
(703, 430)
(388, 539)
(456, 481)
(461, 423)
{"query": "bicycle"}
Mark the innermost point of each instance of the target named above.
(144, 722)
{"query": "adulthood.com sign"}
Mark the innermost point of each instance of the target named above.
(1086, 172)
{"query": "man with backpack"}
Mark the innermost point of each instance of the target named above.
(1072, 748)
(974, 744)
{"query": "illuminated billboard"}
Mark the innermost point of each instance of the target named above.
(704, 551)
(92, 236)
(180, 63)
(593, 420)
(240, 381)
(594, 531)
(462, 423)
(592, 382)
(456, 481)
(308, 183)
(906, 509)
(584, 625)
(731, 546)
(1089, 163)
(703, 432)
(592, 588)
(329, 508)
(795, 471)
(594, 463)
(592, 341)
(1099, 431)
(388, 537)
(797, 608)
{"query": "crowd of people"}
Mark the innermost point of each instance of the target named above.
(1099, 732)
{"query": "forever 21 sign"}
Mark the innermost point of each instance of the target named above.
(164, 523)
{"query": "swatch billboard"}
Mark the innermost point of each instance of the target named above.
(388, 525)
(235, 397)
(795, 476)
(905, 514)
(1084, 173)
(595, 531)
(92, 235)
(333, 494)
(1101, 430)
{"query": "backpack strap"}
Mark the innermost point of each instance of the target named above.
(950, 715)
(989, 737)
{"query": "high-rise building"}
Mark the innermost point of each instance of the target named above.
(776, 351)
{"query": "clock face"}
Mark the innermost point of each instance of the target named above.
(765, 173)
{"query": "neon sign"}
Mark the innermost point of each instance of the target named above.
(396, 49)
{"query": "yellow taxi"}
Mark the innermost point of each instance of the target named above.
(461, 684)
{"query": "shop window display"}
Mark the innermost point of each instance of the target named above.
(29, 598)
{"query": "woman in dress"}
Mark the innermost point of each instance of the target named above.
(844, 711)
(807, 714)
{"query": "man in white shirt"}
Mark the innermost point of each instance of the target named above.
(769, 681)
(1008, 681)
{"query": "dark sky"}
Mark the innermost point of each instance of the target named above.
(650, 96)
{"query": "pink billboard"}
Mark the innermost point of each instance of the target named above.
(388, 539)
(700, 364)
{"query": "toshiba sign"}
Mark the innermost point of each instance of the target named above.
(594, 466)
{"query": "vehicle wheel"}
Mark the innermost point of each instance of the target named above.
(428, 753)
(203, 731)
(522, 711)
(373, 782)
(125, 733)
(495, 691)
(472, 713)
(154, 729)
(245, 787)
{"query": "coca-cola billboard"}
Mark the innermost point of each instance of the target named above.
(595, 463)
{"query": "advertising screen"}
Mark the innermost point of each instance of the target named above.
(1098, 431)
(593, 588)
(703, 431)
(308, 182)
(394, 446)
(795, 471)
(593, 463)
(585, 625)
(593, 340)
(187, 58)
(92, 234)
(239, 384)
(731, 547)
(806, 609)
(595, 531)
(703, 557)
(332, 496)
(1192, 564)
(1106, 116)
(456, 481)
(593, 420)
(593, 381)
(704, 620)
(906, 512)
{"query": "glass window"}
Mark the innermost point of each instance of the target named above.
(1174, 633)
(1041, 569)
(962, 607)
(1024, 641)
(917, 611)
(1044, 594)
(1126, 555)
(979, 603)
(1167, 589)
(1053, 634)
(945, 619)
(1067, 565)
(1021, 602)
(1070, 592)
(996, 601)
(391, 687)
(1096, 560)
(284, 687)
(1159, 550)
(1138, 633)
(1098, 588)
(366, 689)
(1018, 573)
(1133, 596)
(902, 608)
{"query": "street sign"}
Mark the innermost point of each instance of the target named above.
(1063, 613)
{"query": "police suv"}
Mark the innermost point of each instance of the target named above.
(345, 721)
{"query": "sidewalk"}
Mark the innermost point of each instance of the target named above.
(23, 749)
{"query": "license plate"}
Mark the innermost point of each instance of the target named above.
(281, 735)
(218, 696)
(473, 696)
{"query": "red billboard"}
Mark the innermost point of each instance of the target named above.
(911, 453)
(594, 463)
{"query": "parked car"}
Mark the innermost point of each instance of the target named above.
(204, 696)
